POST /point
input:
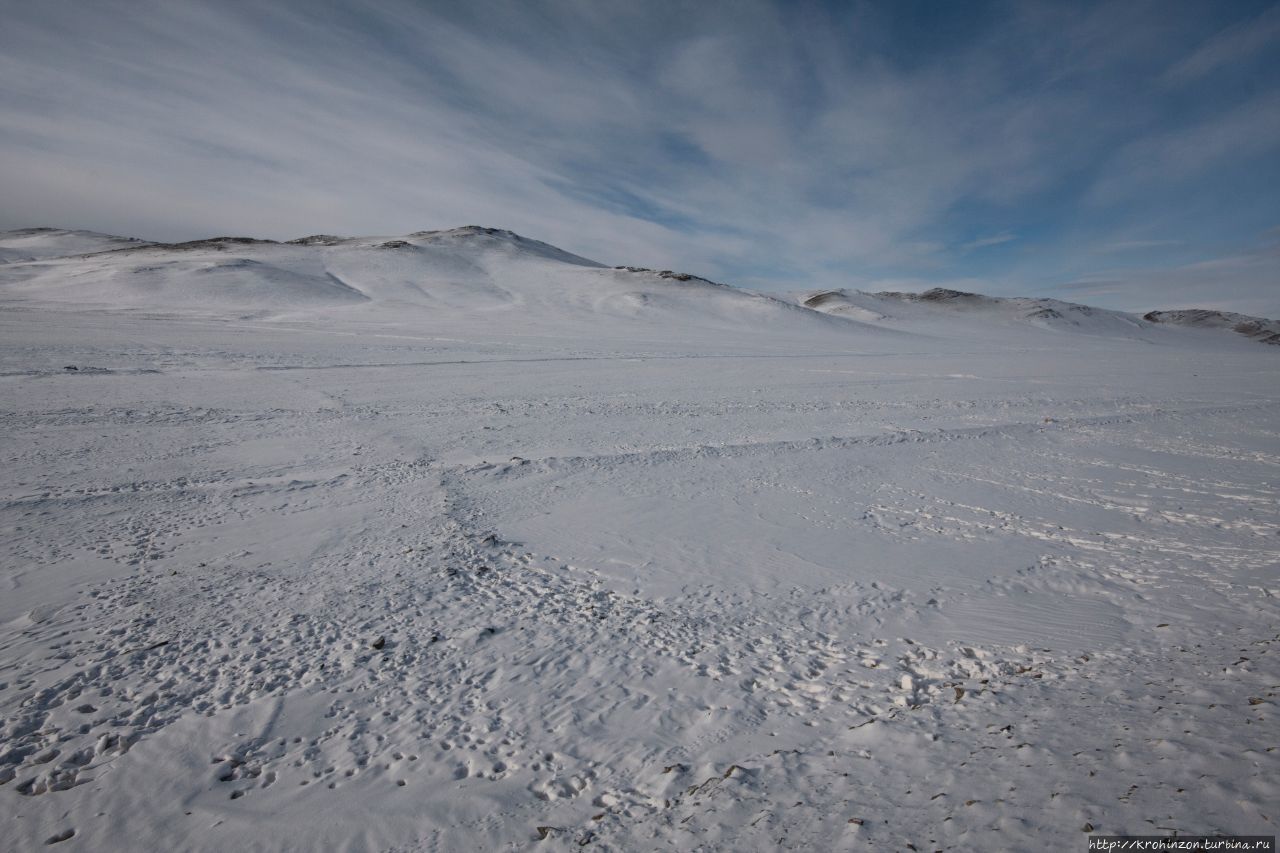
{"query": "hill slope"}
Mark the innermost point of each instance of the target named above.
(1257, 328)
(28, 244)
(954, 312)
(477, 282)
(475, 279)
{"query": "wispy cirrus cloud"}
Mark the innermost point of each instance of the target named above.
(1228, 282)
(1136, 245)
(993, 240)
(776, 145)
(1239, 41)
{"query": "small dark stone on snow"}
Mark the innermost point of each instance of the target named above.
(379, 643)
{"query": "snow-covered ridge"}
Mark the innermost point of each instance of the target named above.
(30, 244)
(958, 309)
(466, 276)
(499, 237)
(1258, 328)
(676, 276)
(487, 236)
(1053, 312)
(448, 281)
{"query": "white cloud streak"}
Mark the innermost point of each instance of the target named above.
(779, 146)
(993, 240)
(1233, 44)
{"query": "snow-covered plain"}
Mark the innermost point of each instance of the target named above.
(456, 541)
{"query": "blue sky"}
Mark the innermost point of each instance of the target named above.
(1125, 154)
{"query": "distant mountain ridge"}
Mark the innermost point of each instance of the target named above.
(890, 306)
(482, 282)
(1258, 328)
(31, 244)
(473, 271)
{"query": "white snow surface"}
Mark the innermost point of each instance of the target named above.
(467, 543)
(30, 244)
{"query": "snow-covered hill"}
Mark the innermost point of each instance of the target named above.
(954, 312)
(28, 244)
(471, 281)
(1257, 328)
(955, 305)
(473, 278)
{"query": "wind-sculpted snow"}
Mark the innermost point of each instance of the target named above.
(462, 545)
